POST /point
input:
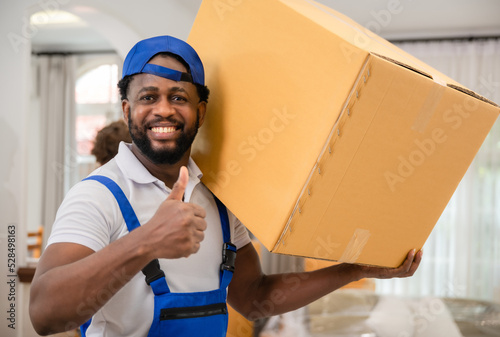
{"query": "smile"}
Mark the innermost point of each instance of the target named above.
(164, 129)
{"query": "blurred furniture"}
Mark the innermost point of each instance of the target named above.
(354, 312)
(475, 318)
(35, 240)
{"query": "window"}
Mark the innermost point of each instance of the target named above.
(98, 86)
(97, 104)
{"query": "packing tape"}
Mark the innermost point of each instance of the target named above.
(355, 246)
(428, 107)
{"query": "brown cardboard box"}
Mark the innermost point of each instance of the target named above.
(324, 139)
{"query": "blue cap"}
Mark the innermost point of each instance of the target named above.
(138, 57)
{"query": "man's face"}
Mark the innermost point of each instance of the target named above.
(163, 115)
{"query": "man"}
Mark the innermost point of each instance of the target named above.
(91, 268)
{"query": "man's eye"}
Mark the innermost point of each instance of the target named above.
(178, 98)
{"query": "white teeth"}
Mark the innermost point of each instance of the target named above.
(167, 129)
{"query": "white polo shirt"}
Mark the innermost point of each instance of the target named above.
(90, 216)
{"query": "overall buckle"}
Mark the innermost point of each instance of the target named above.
(228, 257)
(153, 271)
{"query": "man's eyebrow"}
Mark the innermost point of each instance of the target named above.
(156, 89)
(174, 89)
(148, 89)
(153, 89)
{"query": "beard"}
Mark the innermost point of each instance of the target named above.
(164, 155)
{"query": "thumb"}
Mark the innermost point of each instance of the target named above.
(180, 185)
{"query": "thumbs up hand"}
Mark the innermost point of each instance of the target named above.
(177, 228)
(180, 185)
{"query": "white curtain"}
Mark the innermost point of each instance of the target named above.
(462, 254)
(56, 81)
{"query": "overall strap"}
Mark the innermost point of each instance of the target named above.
(229, 250)
(125, 207)
(224, 220)
(152, 270)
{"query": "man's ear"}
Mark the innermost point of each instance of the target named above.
(202, 109)
(125, 109)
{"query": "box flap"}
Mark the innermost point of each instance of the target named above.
(454, 86)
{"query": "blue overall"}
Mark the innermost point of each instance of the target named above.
(182, 314)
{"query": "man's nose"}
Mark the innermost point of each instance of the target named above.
(164, 108)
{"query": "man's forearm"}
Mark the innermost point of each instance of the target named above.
(280, 293)
(66, 296)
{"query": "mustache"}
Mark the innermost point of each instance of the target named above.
(171, 120)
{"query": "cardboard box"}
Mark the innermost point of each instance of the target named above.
(324, 139)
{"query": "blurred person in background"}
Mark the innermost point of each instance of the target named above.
(107, 140)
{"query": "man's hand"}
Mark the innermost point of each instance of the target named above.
(177, 228)
(407, 268)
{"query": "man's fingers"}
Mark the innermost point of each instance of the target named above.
(406, 269)
(416, 262)
(411, 263)
(180, 185)
(199, 211)
(199, 232)
(409, 260)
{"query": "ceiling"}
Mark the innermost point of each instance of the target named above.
(392, 19)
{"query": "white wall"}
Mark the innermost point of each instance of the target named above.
(13, 126)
